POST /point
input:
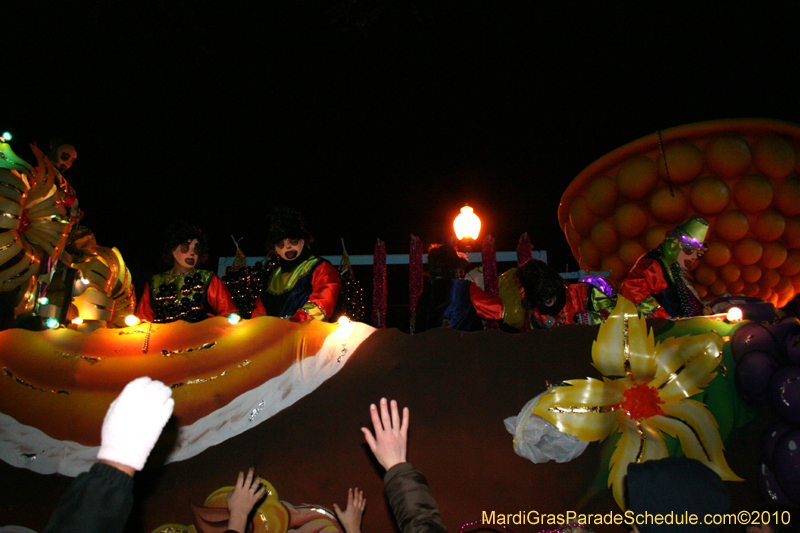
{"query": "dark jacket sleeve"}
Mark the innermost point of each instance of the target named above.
(99, 500)
(412, 501)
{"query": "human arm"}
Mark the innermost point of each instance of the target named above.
(242, 499)
(410, 497)
(219, 298)
(144, 311)
(487, 306)
(101, 499)
(645, 280)
(350, 518)
(325, 287)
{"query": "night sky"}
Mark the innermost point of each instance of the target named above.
(377, 119)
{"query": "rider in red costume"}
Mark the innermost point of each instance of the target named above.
(303, 286)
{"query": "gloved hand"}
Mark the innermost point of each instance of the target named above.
(134, 422)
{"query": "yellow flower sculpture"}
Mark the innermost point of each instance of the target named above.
(645, 391)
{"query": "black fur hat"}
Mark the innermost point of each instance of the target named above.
(541, 283)
(286, 223)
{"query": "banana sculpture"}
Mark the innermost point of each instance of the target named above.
(31, 212)
(34, 226)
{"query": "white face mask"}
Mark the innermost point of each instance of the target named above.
(290, 249)
(185, 256)
(687, 260)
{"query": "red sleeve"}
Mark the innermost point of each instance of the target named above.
(259, 309)
(645, 279)
(488, 307)
(325, 287)
(144, 311)
(219, 298)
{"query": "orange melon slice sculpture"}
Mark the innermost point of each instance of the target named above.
(740, 174)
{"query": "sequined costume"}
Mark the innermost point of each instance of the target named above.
(457, 304)
(659, 284)
(306, 288)
(192, 297)
(588, 301)
(660, 291)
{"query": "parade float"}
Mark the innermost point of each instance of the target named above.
(289, 399)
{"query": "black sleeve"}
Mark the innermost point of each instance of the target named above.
(411, 500)
(99, 500)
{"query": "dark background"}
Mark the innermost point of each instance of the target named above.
(377, 119)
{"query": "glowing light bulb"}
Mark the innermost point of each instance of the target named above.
(233, 318)
(84, 281)
(345, 328)
(131, 320)
(734, 314)
(44, 300)
(51, 323)
(77, 321)
(467, 224)
(6, 136)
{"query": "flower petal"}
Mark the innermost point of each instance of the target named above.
(624, 346)
(583, 408)
(696, 429)
(638, 443)
(685, 365)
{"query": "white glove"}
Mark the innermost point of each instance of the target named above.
(134, 422)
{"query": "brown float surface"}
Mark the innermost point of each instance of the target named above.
(459, 388)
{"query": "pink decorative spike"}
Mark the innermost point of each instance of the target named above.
(524, 253)
(414, 277)
(489, 258)
(379, 286)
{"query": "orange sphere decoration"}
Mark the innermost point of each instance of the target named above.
(753, 194)
(701, 291)
(774, 254)
(736, 287)
(774, 156)
(717, 288)
(668, 208)
(747, 251)
(630, 220)
(769, 225)
(728, 156)
(604, 236)
(751, 289)
(654, 236)
(791, 234)
(615, 265)
(684, 161)
(791, 266)
(730, 272)
(787, 196)
(581, 217)
(718, 254)
(601, 196)
(784, 285)
(769, 279)
(751, 273)
(637, 177)
(710, 195)
(630, 252)
(590, 256)
(705, 275)
(731, 226)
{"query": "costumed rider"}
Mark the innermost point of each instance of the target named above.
(449, 301)
(63, 155)
(303, 286)
(185, 292)
(659, 283)
(539, 291)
